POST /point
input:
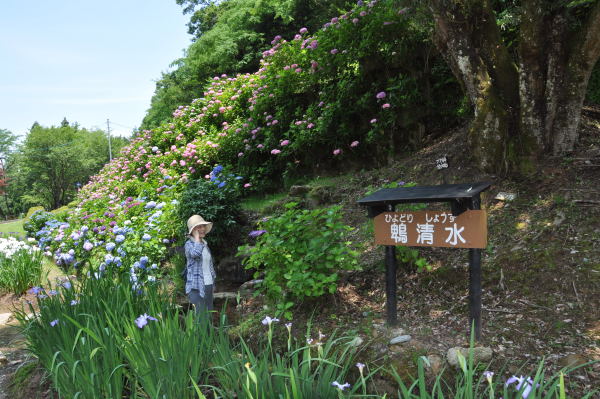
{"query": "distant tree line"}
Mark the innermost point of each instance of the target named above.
(50, 164)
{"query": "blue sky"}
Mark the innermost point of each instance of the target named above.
(88, 61)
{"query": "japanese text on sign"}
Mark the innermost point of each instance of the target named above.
(432, 228)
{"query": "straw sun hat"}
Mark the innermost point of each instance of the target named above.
(197, 220)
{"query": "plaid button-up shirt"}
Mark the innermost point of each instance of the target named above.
(195, 275)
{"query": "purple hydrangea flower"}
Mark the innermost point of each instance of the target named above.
(54, 322)
(88, 246)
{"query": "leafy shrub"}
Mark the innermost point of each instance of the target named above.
(21, 266)
(217, 200)
(61, 213)
(36, 221)
(300, 253)
(32, 210)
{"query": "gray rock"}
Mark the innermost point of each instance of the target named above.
(225, 295)
(248, 288)
(5, 317)
(400, 339)
(434, 363)
(357, 341)
(480, 354)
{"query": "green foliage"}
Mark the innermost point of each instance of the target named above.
(230, 37)
(20, 270)
(7, 140)
(216, 200)
(53, 162)
(301, 254)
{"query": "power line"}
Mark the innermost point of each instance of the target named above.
(109, 147)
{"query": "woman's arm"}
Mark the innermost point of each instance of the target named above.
(193, 249)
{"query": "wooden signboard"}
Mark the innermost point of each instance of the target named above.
(432, 229)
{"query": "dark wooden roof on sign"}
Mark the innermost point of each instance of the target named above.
(441, 193)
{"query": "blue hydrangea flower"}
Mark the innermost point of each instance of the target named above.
(110, 246)
(150, 205)
(143, 260)
(120, 238)
(146, 237)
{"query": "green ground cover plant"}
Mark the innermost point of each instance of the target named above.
(300, 253)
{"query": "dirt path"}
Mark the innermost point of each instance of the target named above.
(12, 351)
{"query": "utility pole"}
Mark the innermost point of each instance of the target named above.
(109, 148)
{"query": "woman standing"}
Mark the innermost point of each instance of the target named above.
(200, 271)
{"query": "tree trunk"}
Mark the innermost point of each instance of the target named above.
(526, 107)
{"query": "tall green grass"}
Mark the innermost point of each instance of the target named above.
(86, 335)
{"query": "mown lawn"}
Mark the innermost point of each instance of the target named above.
(14, 227)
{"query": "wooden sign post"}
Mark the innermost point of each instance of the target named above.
(464, 227)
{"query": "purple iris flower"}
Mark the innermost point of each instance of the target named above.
(525, 384)
(341, 387)
(143, 320)
(36, 290)
(256, 233)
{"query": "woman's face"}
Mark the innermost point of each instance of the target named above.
(200, 230)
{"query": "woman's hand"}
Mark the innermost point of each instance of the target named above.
(196, 235)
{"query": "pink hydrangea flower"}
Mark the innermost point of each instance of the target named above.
(337, 151)
(247, 185)
(380, 95)
(354, 144)
(275, 151)
(284, 143)
(386, 105)
(373, 120)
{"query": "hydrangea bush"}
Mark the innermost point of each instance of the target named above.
(307, 104)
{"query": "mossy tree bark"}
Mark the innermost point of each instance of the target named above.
(527, 100)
